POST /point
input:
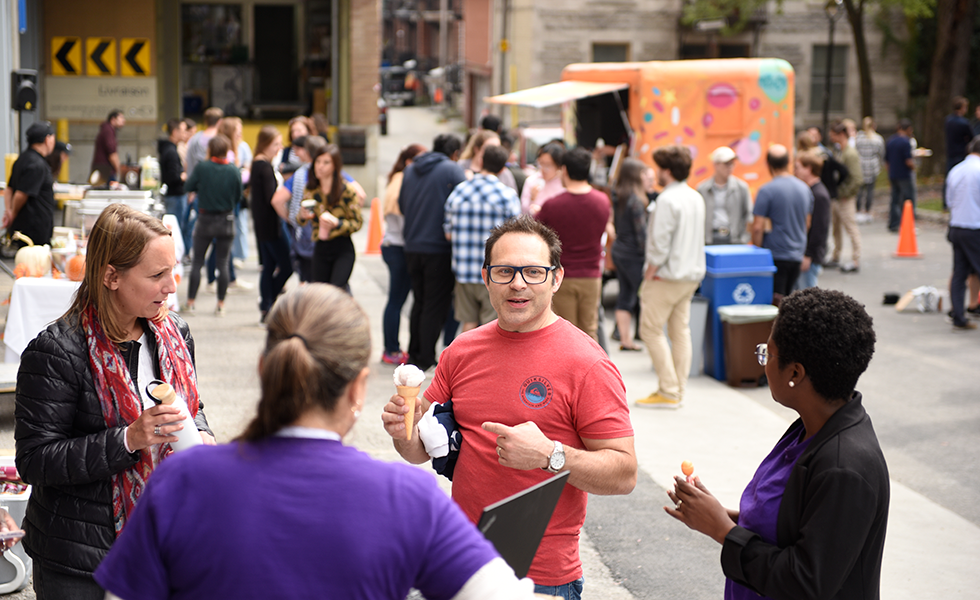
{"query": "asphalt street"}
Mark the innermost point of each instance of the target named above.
(920, 390)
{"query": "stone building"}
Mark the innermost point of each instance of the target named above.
(543, 37)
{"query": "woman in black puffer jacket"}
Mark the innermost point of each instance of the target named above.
(87, 436)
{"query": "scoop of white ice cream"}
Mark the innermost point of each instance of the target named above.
(409, 375)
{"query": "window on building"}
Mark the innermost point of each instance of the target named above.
(212, 33)
(610, 53)
(720, 50)
(838, 78)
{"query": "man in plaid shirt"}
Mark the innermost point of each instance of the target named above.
(474, 208)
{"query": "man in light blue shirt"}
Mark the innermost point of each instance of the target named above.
(963, 199)
(474, 208)
(786, 203)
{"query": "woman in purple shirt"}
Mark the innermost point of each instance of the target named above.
(811, 523)
(290, 511)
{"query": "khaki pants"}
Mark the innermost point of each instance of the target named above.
(668, 303)
(843, 212)
(577, 301)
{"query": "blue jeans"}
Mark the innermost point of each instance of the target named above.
(177, 206)
(399, 285)
(277, 268)
(808, 278)
(239, 249)
(902, 190)
(190, 218)
(569, 591)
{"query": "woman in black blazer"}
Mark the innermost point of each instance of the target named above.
(811, 523)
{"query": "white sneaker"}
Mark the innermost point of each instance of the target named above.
(241, 285)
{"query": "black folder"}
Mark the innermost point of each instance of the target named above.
(516, 524)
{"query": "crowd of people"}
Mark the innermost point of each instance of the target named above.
(505, 266)
(303, 205)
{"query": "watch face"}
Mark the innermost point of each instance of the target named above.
(557, 461)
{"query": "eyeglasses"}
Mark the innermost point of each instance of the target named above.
(762, 354)
(532, 274)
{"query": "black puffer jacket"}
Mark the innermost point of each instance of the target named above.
(65, 450)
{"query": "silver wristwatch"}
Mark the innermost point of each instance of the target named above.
(556, 462)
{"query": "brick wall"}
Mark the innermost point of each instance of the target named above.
(365, 57)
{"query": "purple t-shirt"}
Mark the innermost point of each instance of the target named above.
(759, 507)
(291, 518)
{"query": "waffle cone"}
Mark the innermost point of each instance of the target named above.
(411, 395)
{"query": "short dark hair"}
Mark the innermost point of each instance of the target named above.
(173, 125)
(219, 146)
(115, 113)
(676, 159)
(212, 115)
(830, 334)
(312, 144)
(777, 162)
(491, 122)
(507, 141)
(974, 146)
(960, 102)
(555, 151)
(446, 143)
(839, 128)
(495, 158)
(904, 124)
(577, 163)
(525, 224)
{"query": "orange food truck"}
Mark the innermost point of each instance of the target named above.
(744, 103)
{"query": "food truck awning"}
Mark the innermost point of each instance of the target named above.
(556, 93)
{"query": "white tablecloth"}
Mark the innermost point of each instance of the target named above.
(34, 303)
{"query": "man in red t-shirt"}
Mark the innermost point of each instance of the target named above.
(531, 395)
(579, 216)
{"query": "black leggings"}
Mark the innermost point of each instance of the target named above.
(218, 228)
(333, 261)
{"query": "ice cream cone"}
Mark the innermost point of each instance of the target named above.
(411, 395)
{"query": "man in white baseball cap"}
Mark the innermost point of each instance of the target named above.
(727, 202)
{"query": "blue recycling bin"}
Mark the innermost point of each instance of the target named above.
(736, 274)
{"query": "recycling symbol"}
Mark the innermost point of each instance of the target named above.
(743, 294)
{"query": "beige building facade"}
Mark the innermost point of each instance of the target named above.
(544, 37)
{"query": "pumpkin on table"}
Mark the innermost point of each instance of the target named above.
(37, 259)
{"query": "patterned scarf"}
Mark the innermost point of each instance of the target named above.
(122, 401)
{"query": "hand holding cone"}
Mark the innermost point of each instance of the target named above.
(408, 382)
(411, 396)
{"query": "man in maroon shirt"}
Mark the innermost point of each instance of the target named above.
(105, 159)
(579, 216)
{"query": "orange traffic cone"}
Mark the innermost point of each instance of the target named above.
(374, 229)
(907, 245)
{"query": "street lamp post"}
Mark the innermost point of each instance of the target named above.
(834, 12)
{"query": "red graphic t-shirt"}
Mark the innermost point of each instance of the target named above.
(557, 377)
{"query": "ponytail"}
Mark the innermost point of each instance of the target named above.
(318, 342)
